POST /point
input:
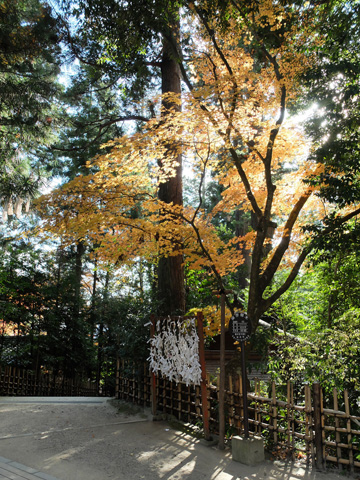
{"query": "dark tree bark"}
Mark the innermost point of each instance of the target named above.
(171, 288)
(100, 334)
(80, 250)
(93, 311)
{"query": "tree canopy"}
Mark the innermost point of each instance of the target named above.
(29, 66)
(257, 100)
(241, 83)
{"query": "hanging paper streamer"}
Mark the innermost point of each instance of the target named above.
(174, 351)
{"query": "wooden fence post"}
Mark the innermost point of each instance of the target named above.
(318, 411)
(204, 393)
(153, 376)
(337, 425)
(309, 437)
(231, 414)
(274, 413)
(117, 378)
(348, 430)
(221, 445)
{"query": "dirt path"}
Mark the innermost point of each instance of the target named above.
(89, 439)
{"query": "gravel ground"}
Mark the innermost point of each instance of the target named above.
(95, 439)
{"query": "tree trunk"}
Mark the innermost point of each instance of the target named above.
(242, 227)
(171, 289)
(100, 338)
(93, 310)
(80, 250)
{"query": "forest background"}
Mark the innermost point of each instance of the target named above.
(156, 152)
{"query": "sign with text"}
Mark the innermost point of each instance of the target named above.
(240, 327)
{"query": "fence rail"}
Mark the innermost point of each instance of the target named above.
(19, 382)
(291, 418)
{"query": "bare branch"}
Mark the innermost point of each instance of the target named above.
(244, 179)
(265, 304)
(202, 179)
(274, 263)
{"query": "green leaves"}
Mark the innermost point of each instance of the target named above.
(334, 85)
(29, 65)
(321, 324)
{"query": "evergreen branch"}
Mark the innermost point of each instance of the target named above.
(103, 128)
(74, 48)
(111, 121)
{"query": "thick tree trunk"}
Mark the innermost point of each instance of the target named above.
(171, 289)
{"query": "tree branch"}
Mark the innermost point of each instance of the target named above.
(101, 126)
(246, 183)
(202, 179)
(266, 304)
(111, 121)
(274, 263)
(223, 135)
(216, 46)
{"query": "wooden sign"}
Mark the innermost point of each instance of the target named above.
(240, 327)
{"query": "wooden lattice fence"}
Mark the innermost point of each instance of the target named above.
(20, 382)
(292, 419)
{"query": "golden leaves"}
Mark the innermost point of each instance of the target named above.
(226, 128)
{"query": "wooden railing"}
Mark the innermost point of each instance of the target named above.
(292, 419)
(20, 382)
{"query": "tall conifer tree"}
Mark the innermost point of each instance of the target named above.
(128, 46)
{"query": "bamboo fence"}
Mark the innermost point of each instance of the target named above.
(20, 382)
(291, 418)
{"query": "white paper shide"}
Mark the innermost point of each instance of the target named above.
(174, 351)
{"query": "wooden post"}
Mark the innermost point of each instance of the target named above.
(164, 402)
(197, 401)
(153, 376)
(337, 425)
(319, 458)
(231, 407)
(348, 429)
(179, 396)
(204, 395)
(290, 430)
(117, 379)
(222, 377)
(256, 408)
(134, 385)
(237, 404)
(241, 396)
(145, 386)
(188, 388)
(309, 437)
(244, 389)
(221, 385)
(274, 413)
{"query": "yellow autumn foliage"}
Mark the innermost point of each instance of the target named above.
(233, 124)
